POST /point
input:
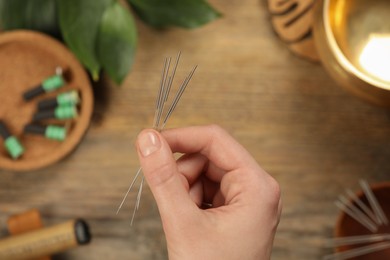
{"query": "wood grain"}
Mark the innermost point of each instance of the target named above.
(311, 135)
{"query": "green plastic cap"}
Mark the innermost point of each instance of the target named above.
(65, 112)
(68, 98)
(55, 132)
(14, 147)
(53, 83)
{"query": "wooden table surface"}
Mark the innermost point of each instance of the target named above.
(311, 135)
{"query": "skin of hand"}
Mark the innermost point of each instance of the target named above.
(214, 169)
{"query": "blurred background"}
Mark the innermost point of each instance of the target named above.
(313, 137)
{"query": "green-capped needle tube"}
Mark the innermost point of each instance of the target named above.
(61, 112)
(65, 112)
(53, 83)
(53, 132)
(63, 99)
(50, 84)
(11, 143)
(14, 147)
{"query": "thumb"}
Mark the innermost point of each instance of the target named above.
(161, 173)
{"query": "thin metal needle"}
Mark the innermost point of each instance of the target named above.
(129, 189)
(357, 211)
(158, 100)
(173, 75)
(353, 215)
(140, 192)
(136, 207)
(159, 109)
(358, 251)
(162, 97)
(363, 206)
(373, 202)
(160, 90)
(353, 240)
(178, 96)
(163, 94)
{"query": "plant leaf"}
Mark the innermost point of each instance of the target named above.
(37, 15)
(116, 43)
(183, 13)
(79, 22)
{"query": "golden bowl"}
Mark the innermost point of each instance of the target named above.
(353, 41)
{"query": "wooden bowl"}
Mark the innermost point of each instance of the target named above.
(26, 59)
(347, 226)
(353, 41)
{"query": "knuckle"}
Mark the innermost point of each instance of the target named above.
(269, 188)
(161, 174)
(216, 129)
(275, 191)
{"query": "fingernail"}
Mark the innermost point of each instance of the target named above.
(148, 143)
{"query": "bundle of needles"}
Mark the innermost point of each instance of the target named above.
(161, 116)
(370, 216)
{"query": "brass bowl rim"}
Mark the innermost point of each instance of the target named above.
(339, 55)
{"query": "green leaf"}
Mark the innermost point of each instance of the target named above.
(37, 15)
(117, 42)
(79, 22)
(183, 13)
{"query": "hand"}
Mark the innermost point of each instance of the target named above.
(242, 201)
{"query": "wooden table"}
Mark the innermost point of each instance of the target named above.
(311, 135)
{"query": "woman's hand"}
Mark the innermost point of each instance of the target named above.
(215, 201)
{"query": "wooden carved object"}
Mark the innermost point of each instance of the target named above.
(292, 21)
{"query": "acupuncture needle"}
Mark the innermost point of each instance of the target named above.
(159, 105)
(159, 91)
(373, 202)
(178, 96)
(159, 109)
(158, 101)
(362, 217)
(358, 251)
(170, 111)
(129, 189)
(363, 206)
(172, 76)
(138, 200)
(162, 97)
(354, 216)
(353, 240)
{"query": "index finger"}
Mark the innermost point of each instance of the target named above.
(213, 142)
